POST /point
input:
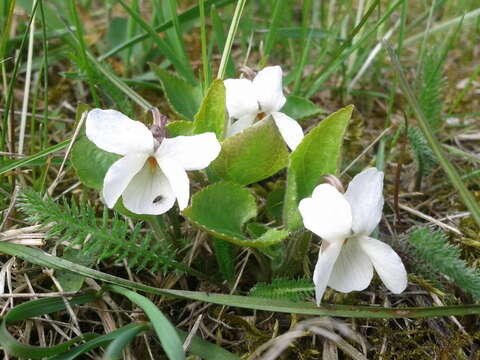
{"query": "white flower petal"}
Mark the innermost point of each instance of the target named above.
(387, 264)
(240, 125)
(353, 270)
(192, 152)
(268, 89)
(241, 99)
(149, 192)
(365, 195)
(291, 130)
(178, 179)
(114, 132)
(326, 259)
(119, 176)
(327, 213)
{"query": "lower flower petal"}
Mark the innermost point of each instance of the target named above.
(178, 179)
(149, 192)
(290, 129)
(327, 257)
(241, 124)
(387, 264)
(119, 176)
(353, 270)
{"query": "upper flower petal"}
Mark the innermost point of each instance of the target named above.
(326, 259)
(149, 192)
(178, 179)
(327, 213)
(114, 132)
(365, 195)
(268, 89)
(387, 264)
(353, 270)
(291, 130)
(119, 176)
(240, 98)
(192, 152)
(241, 124)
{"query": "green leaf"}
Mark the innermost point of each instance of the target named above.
(36, 308)
(166, 332)
(317, 155)
(121, 341)
(38, 257)
(28, 160)
(225, 259)
(91, 163)
(101, 340)
(68, 280)
(274, 205)
(181, 63)
(211, 116)
(221, 38)
(300, 108)
(183, 97)
(206, 350)
(116, 340)
(252, 155)
(180, 127)
(46, 306)
(223, 208)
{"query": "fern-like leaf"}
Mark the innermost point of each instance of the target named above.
(78, 225)
(430, 98)
(286, 289)
(434, 250)
(423, 154)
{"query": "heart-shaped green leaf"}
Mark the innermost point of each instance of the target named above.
(184, 98)
(91, 163)
(223, 208)
(211, 116)
(300, 108)
(252, 155)
(317, 155)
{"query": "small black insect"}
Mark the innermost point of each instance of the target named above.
(158, 199)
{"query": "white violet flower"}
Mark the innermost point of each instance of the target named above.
(263, 96)
(344, 222)
(151, 174)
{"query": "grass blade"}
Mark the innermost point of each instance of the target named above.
(27, 160)
(166, 332)
(180, 65)
(467, 197)
(231, 34)
(272, 31)
(36, 256)
(185, 16)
